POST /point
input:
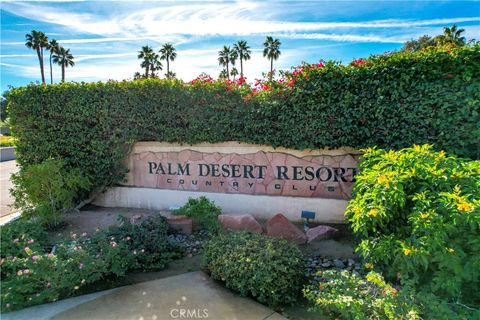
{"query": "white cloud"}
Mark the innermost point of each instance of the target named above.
(344, 37)
(200, 19)
(17, 55)
(83, 57)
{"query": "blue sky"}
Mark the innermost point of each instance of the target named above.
(105, 36)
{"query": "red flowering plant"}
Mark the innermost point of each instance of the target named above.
(263, 88)
(301, 72)
(358, 62)
(288, 79)
(260, 88)
(305, 68)
(221, 85)
(202, 80)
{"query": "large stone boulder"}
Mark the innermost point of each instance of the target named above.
(280, 227)
(320, 232)
(240, 222)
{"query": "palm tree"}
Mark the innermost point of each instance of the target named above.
(233, 57)
(53, 47)
(63, 58)
(168, 52)
(234, 73)
(225, 58)
(37, 41)
(155, 65)
(452, 35)
(223, 74)
(243, 51)
(271, 51)
(146, 54)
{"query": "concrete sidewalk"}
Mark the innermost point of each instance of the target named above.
(7, 168)
(187, 296)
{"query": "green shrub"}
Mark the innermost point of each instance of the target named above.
(433, 307)
(391, 101)
(345, 295)
(46, 189)
(416, 213)
(267, 269)
(202, 211)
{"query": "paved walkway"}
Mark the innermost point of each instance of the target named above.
(6, 169)
(187, 296)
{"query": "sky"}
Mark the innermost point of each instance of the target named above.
(105, 36)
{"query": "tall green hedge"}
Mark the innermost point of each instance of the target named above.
(391, 101)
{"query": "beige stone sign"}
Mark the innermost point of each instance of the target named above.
(245, 169)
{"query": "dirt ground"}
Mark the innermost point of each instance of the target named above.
(92, 217)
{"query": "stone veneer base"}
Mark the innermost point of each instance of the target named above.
(259, 206)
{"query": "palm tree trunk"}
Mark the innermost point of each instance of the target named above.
(228, 73)
(271, 68)
(63, 72)
(51, 72)
(168, 68)
(241, 67)
(146, 71)
(40, 59)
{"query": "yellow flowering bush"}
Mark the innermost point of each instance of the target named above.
(416, 213)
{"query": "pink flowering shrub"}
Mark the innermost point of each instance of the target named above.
(31, 273)
(38, 277)
(133, 246)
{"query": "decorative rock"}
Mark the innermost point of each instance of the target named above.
(338, 264)
(320, 232)
(280, 227)
(240, 222)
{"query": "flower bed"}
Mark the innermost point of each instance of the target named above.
(33, 273)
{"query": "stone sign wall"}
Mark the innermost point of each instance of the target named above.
(243, 169)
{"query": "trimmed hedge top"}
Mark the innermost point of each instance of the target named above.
(390, 101)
